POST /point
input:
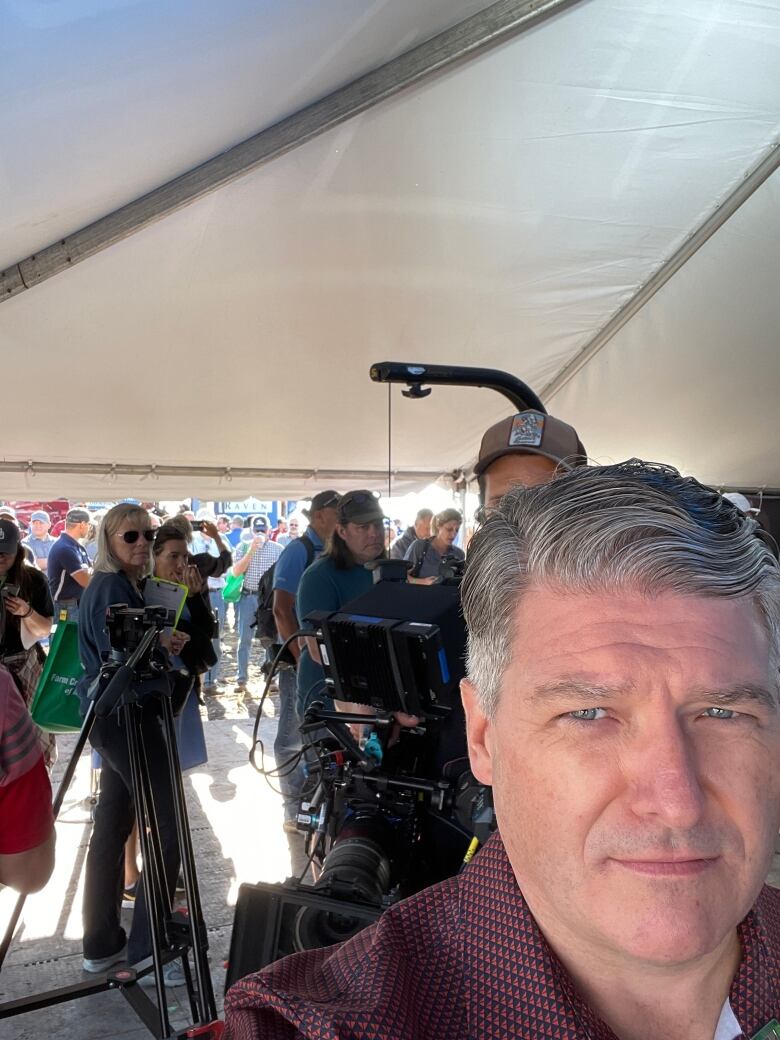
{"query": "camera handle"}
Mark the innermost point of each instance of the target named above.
(414, 375)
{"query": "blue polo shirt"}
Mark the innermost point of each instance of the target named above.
(66, 557)
(324, 587)
(233, 535)
(41, 547)
(293, 561)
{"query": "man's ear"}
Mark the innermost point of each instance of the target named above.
(478, 733)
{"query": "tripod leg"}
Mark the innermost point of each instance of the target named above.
(198, 938)
(157, 866)
(140, 779)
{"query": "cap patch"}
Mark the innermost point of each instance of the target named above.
(527, 430)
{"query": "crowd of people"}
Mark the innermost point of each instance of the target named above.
(46, 580)
(621, 699)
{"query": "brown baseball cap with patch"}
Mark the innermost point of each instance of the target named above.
(531, 433)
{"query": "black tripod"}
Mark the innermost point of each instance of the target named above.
(172, 935)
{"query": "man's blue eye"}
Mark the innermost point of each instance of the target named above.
(720, 713)
(587, 714)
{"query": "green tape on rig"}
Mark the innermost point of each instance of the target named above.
(771, 1031)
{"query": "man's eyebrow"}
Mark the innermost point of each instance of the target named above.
(740, 693)
(726, 697)
(573, 686)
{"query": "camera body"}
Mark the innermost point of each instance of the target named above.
(128, 625)
(451, 570)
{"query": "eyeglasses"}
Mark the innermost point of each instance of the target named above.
(132, 536)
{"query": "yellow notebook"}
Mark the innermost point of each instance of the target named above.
(168, 594)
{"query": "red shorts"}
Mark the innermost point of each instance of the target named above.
(25, 811)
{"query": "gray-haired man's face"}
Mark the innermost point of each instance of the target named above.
(422, 528)
(633, 757)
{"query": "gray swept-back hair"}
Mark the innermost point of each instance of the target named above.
(636, 525)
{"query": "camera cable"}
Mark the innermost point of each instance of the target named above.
(290, 764)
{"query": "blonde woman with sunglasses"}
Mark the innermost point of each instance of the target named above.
(122, 563)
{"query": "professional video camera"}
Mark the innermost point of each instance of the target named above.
(387, 814)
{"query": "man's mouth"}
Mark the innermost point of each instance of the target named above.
(671, 866)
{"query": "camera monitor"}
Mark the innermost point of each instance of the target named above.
(399, 647)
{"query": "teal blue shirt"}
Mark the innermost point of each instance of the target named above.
(324, 587)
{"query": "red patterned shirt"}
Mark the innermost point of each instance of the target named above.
(459, 961)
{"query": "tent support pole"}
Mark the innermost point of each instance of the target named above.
(495, 24)
(750, 183)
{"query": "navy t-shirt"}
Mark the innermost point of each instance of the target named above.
(66, 557)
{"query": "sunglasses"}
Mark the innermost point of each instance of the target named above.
(360, 498)
(132, 536)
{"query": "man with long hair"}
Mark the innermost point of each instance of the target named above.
(337, 577)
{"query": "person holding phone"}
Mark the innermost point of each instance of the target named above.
(252, 558)
(173, 562)
(25, 612)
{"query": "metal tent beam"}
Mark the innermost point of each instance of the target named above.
(750, 183)
(109, 469)
(496, 24)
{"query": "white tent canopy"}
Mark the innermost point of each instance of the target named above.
(588, 203)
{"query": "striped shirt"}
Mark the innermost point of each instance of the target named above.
(263, 558)
(19, 747)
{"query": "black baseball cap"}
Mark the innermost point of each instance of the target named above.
(322, 500)
(360, 507)
(260, 524)
(9, 537)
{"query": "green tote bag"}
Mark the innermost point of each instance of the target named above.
(55, 706)
(231, 592)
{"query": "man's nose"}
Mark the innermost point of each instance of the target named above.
(663, 774)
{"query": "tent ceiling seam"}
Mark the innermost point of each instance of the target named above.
(489, 27)
(695, 240)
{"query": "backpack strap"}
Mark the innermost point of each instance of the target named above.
(309, 549)
(415, 571)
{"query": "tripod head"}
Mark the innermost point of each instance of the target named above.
(134, 633)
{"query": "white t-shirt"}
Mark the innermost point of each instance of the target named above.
(727, 1027)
